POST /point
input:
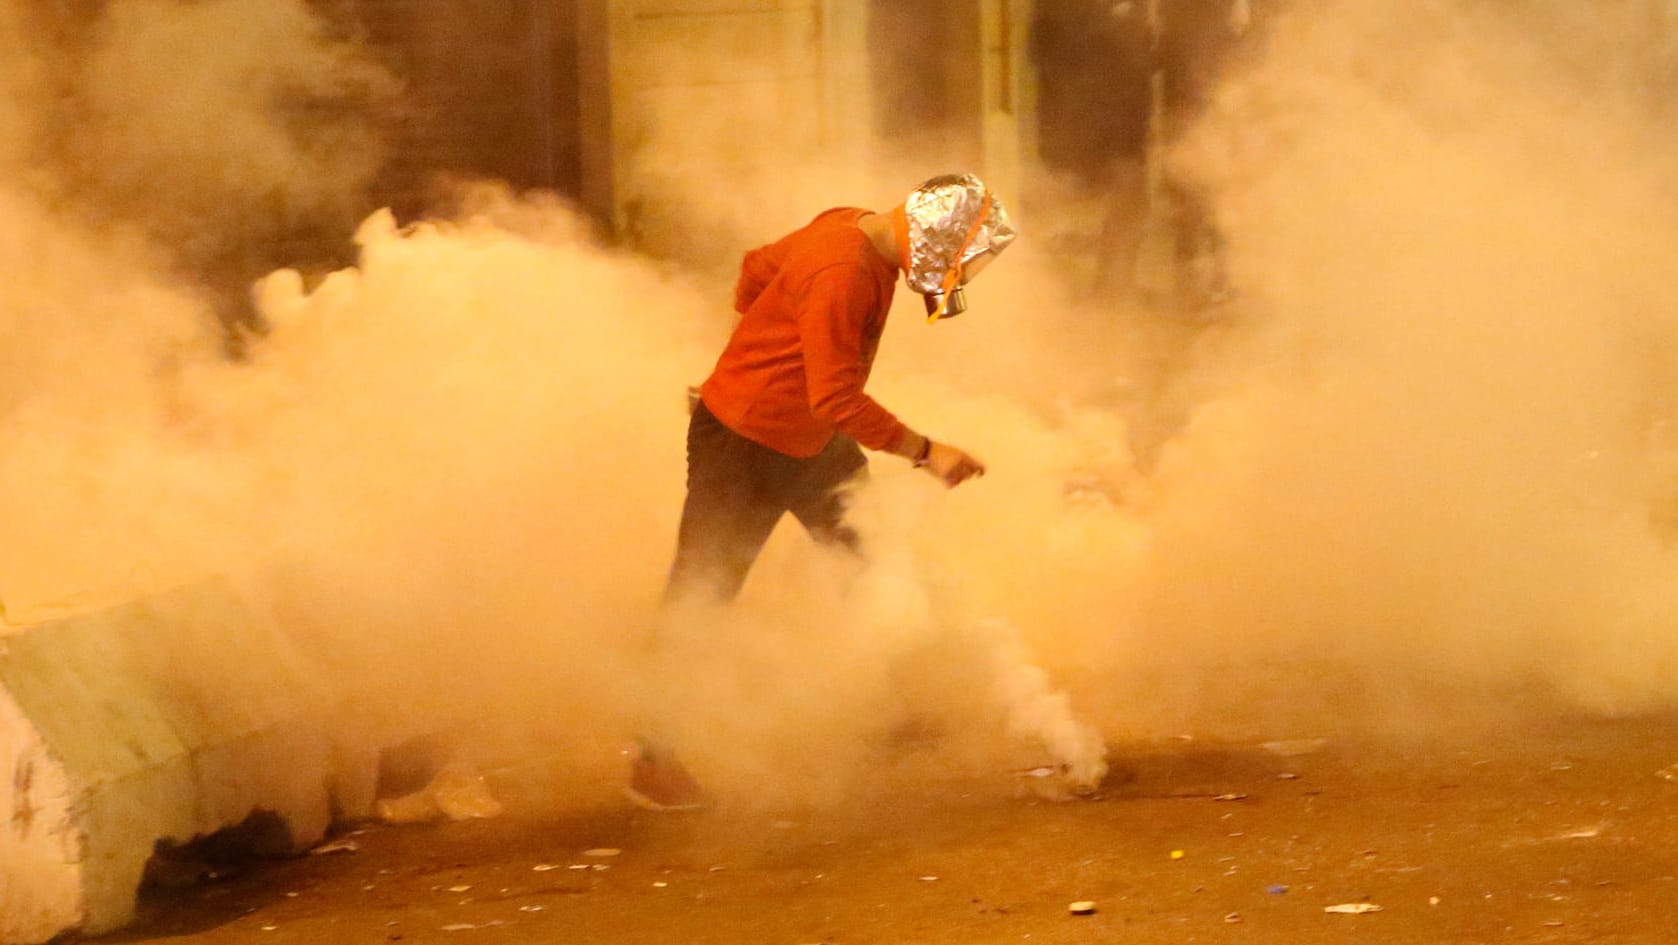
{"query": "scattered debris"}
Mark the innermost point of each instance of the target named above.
(1276, 889)
(1287, 776)
(458, 792)
(602, 852)
(1232, 918)
(660, 884)
(1669, 773)
(1230, 797)
(1054, 783)
(1585, 834)
(1081, 907)
(545, 867)
(1353, 908)
(929, 879)
(1177, 854)
(1433, 900)
(531, 908)
(345, 845)
(269, 928)
(459, 889)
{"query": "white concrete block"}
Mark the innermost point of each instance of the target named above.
(163, 719)
(40, 856)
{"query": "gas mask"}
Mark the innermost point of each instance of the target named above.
(948, 229)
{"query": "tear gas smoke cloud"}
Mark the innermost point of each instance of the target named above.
(1429, 443)
(17, 80)
(1423, 446)
(411, 466)
(208, 127)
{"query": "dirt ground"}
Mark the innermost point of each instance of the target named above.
(1561, 831)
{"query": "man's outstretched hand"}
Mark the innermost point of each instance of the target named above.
(952, 465)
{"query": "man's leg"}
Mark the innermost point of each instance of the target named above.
(727, 516)
(730, 510)
(821, 496)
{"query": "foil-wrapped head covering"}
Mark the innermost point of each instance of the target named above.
(948, 222)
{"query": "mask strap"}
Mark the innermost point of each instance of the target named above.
(900, 232)
(952, 278)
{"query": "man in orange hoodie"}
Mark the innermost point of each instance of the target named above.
(781, 422)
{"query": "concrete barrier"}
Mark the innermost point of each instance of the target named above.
(163, 719)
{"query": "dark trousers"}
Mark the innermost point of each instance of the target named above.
(737, 490)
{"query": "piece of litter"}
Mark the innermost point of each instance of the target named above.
(458, 927)
(459, 888)
(660, 884)
(1584, 834)
(1433, 900)
(292, 895)
(1276, 889)
(601, 852)
(600, 867)
(1668, 773)
(269, 928)
(1081, 907)
(716, 869)
(345, 845)
(1177, 854)
(1233, 918)
(544, 867)
(1287, 776)
(458, 792)
(578, 866)
(929, 879)
(1353, 908)
(1045, 771)
(530, 908)
(1230, 797)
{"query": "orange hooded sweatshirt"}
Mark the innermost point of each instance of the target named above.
(812, 305)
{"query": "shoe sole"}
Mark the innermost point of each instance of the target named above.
(646, 803)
